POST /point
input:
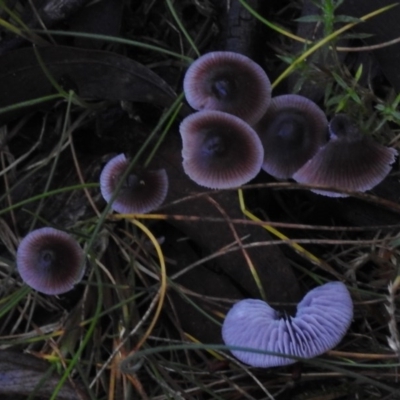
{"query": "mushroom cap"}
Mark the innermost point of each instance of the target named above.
(50, 261)
(291, 131)
(229, 82)
(349, 161)
(342, 127)
(321, 321)
(219, 150)
(143, 191)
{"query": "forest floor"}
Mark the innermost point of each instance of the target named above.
(85, 81)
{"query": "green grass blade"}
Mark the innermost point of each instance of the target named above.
(115, 39)
(326, 40)
(182, 28)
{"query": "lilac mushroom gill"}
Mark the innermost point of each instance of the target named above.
(291, 131)
(219, 150)
(142, 191)
(50, 261)
(229, 82)
(321, 321)
(350, 161)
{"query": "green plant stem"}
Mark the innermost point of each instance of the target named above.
(182, 28)
(326, 40)
(114, 39)
(30, 103)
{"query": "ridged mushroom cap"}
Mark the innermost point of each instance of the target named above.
(321, 321)
(350, 161)
(143, 190)
(291, 131)
(219, 150)
(50, 261)
(229, 82)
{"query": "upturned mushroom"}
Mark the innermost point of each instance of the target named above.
(321, 321)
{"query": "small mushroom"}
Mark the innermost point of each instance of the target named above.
(50, 261)
(219, 150)
(321, 321)
(142, 191)
(229, 82)
(291, 131)
(350, 161)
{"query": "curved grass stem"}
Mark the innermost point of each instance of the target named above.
(326, 40)
(299, 249)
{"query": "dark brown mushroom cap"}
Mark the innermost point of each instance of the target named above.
(229, 82)
(50, 261)
(143, 190)
(291, 131)
(219, 150)
(350, 161)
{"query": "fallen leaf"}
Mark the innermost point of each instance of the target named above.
(94, 75)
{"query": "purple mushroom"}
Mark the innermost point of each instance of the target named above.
(50, 261)
(219, 150)
(291, 131)
(321, 321)
(229, 82)
(350, 161)
(142, 191)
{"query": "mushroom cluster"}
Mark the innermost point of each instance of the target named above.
(231, 92)
(296, 140)
(52, 262)
(322, 319)
(237, 130)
